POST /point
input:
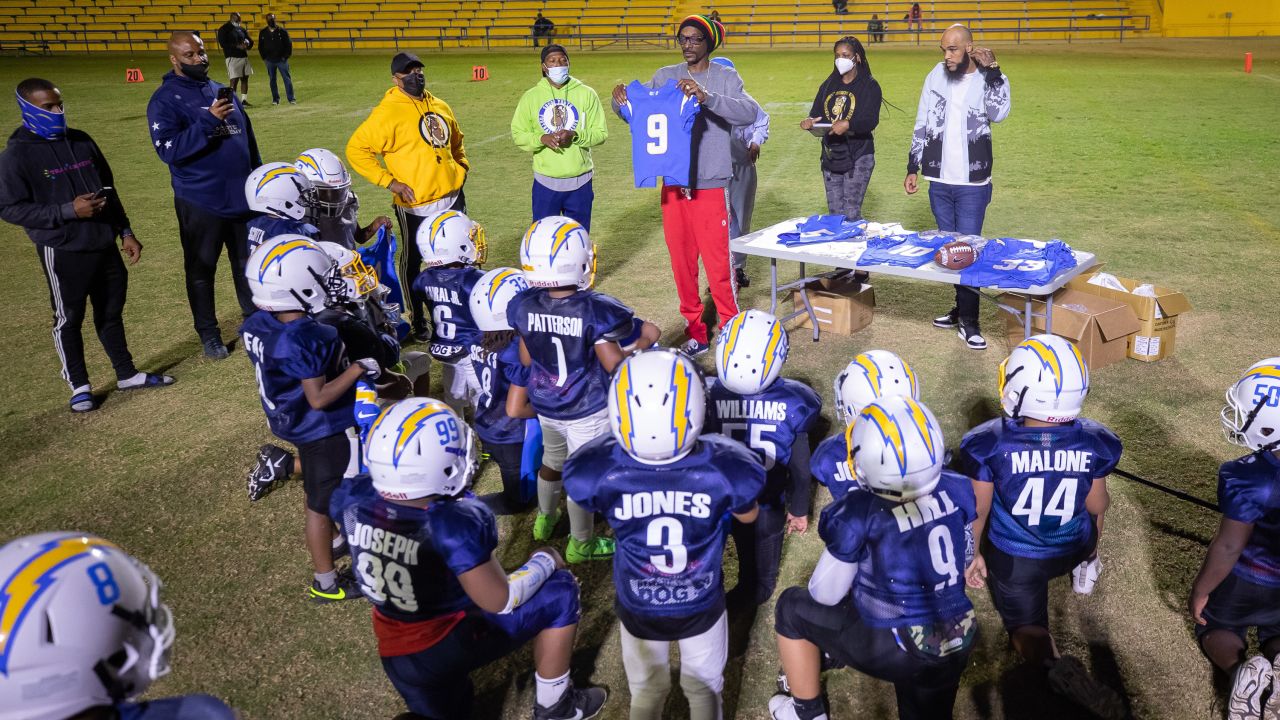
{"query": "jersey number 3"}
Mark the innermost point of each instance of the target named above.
(667, 533)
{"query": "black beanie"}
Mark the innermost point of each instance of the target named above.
(553, 48)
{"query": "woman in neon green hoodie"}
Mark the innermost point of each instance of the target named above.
(559, 120)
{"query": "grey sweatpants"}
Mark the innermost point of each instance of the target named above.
(845, 191)
(742, 201)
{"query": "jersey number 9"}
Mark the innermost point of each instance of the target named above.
(657, 128)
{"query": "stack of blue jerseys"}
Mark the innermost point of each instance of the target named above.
(823, 229)
(912, 251)
(1013, 263)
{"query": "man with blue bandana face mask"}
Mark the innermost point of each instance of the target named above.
(56, 184)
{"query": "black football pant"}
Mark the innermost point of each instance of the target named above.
(74, 278)
(759, 547)
(411, 261)
(203, 236)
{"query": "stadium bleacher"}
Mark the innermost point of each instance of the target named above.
(142, 25)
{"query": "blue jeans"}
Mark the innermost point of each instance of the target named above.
(961, 209)
(574, 204)
(283, 67)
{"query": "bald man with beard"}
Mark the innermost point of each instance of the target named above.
(208, 144)
(962, 96)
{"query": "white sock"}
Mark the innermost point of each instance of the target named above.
(82, 388)
(134, 381)
(338, 541)
(326, 580)
(580, 522)
(549, 492)
(244, 97)
(550, 691)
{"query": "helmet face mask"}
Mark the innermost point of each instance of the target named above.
(753, 349)
(657, 405)
(330, 179)
(1251, 416)
(870, 376)
(449, 237)
(1044, 378)
(352, 279)
(557, 252)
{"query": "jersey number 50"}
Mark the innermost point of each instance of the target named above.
(657, 129)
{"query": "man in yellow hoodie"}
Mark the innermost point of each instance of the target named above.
(423, 162)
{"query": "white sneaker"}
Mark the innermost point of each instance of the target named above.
(1253, 678)
(783, 707)
(1085, 575)
(1069, 678)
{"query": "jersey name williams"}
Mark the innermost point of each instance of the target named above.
(1025, 461)
(662, 502)
(751, 410)
(556, 324)
(385, 543)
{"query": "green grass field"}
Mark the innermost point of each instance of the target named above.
(1160, 157)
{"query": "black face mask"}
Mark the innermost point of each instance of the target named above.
(414, 84)
(271, 23)
(199, 73)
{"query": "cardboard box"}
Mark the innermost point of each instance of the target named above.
(1158, 315)
(842, 306)
(1098, 326)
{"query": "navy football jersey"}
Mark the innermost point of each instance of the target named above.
(911, 251)
(264, 227)
(768, 423)
(1249, 492)
(1042, 476)
(910, 556)
(670, 520)
(566, 380)
(1013, 263)
(408, 559)
(496, 373)
(447, 293)
(661, 123)
(830, 466)
(285, 354)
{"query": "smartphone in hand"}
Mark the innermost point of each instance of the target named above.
(104, 193)
(225, 93)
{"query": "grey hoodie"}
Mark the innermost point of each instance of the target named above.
(727, 105)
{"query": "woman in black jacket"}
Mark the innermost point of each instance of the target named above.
(849, 100)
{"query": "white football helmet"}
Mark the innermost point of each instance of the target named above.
(419, 447)
(657, 403)
(872, 375)
(449, 237)
(279, 189)
(895, 447)
(355, 279)
(81, 624)
(753, 347)
(557, 252)
(1252, 415)
(329, 177)
(491, 295)
(291, 272)
(1045, 378)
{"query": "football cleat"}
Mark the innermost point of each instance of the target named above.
(544, 526)
(1253, 678)
(1085, 575)
(783, 707)
(575, 704)
(1044, 378)
(597, 548)
(1069, 678)
(346, 588)
(273, 467)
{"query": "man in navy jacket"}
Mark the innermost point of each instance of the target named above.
(208, 144)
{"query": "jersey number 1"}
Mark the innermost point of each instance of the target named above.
(657, 128)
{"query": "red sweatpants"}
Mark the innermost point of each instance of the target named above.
(695, 226)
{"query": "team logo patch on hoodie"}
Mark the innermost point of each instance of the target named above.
(434, 130)
(558, 114)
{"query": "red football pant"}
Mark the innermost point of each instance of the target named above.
(698, 225)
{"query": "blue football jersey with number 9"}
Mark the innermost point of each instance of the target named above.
(408, 559)
(1042, 476)
(566, 380)
(670, 520)
(910, 556)
(661, 123)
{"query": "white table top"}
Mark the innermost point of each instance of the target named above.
(845, 254)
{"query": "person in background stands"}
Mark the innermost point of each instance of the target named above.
(875, 29)
(275, 47)
(56, 184)
(542, 28)
(235, 43)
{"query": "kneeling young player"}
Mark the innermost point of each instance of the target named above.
(667, 491)
(906, 622)
(82, 632)
(772, 416)
(868, 377)
(424, 556)
(1238, 586)
(1040, 473)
